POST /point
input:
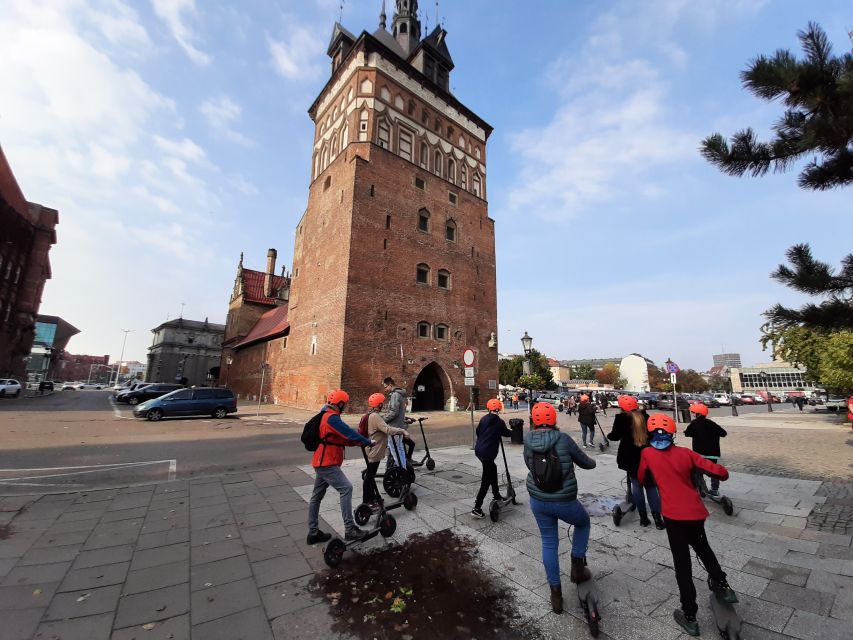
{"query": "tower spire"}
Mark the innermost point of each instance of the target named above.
(382, 17)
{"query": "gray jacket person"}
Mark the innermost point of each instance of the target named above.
(395, 416)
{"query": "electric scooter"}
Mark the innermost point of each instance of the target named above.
(396, 476)
(605, 443)
(588, 600)
(364, 511)
(726, 617)
(723, 501)
(626, 506)
(495, 506)
(427, 459)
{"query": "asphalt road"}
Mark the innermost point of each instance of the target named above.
(74, 440)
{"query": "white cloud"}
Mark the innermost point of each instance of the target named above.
(297, 55)
(221, 114)
(172, 13)
(119, 24)
(185, 148)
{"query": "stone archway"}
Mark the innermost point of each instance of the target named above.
(433, 395)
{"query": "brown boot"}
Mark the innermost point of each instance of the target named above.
(557, 599)
(579, 571)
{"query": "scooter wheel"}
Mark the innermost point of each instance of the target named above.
(410, 501)
(494, 510)
(601, 447)
(395, 480)
(388, 526)
(617, 515)
(728, 507)
(430, 464)
(362, 514)
(334, 552)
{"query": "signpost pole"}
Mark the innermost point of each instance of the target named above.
(674, 378)
(261, 390)
(471, 409)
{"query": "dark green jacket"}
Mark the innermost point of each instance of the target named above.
(539, 441)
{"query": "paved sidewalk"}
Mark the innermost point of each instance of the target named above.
(225, 557)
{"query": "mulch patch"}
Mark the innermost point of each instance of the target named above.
(430, 587)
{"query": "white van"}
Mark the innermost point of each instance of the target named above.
(723, 398)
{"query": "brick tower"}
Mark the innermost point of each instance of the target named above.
(394, 261)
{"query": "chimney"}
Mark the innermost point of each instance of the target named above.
(271, 256)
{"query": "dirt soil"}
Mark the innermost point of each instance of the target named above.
(430, 587)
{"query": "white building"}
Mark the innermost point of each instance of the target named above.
(780, 377)
(635, 369)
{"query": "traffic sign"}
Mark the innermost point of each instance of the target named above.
(468, 357)
(673, 378)
(469, 372)
(469, 382)
(671, 367)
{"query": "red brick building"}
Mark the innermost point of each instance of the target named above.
(394, 262)
(27, 231)
(82, 368)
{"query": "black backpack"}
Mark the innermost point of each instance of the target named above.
(546, 470)
(311, 432)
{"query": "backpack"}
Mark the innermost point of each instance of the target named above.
(362, 425)
(546, 470)
(311, 432)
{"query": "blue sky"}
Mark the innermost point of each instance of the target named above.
(173, 134)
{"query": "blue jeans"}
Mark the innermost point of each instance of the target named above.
(651, 492)
(587, 428)
(547, 514)
(326, 477)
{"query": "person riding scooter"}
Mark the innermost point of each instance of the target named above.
(489, 432)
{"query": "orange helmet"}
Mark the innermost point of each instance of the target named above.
(337, 396)
(544, 414)
(628, 403)
(494, 405)
(376, 400)
(699, 408)
(584, 398)
(661, 421)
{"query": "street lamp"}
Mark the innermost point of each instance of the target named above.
(527, 345)
(732, 395)
(228, 361)
(121, 357)
(764, 379)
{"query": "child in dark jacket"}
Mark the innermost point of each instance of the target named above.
(684, 515)
(706, 436)
(489, 432)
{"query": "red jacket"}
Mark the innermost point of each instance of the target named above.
(672, 469)
(334, 436)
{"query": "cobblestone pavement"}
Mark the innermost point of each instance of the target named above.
(835, 515)
(225, 557)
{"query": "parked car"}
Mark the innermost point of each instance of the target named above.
(746, 398)
(665, 402)
(90, 385)
(723, 399)
(708, 400)
(205, 401)
(69, 386)
(551, 398)
(121, 395)
(836, 403)
(650, 400)
(148, 392)
(10, 387)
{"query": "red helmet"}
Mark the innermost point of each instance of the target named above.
(628, 403)
(376, 400)
(661, 421)
(584, 398)
(544, 414)
(699, 408)
(494, 405)
(337, 396)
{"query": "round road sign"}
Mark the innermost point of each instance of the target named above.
(468, 357)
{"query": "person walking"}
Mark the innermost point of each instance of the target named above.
(395, 414)
(603, 401)
(684, 515)
(490, 430)
(629, 430)
(571, 404)
(801, 401)
(378, 431)
(586, 418)
(327, 460)
(551, 457)
(515, 400)
(706, 436)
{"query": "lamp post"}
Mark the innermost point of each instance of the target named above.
(732, 395)
(527, 345)
(121, 357)
(228, 362)
(764, 378)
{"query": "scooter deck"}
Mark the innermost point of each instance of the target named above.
(588, 598)
(726, 618)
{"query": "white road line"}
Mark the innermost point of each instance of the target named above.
(117, 411)
(88, 466)
(173, 469)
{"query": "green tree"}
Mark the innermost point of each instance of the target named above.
(658, 378)
(509, 371)
(826, 356)
(534, 382)
(718, 383)
(689, 381)
(583, 372)
(817, 123)
(836, 363)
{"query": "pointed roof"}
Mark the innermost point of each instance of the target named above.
(270, 325)
(337, 33)
(437, 43)
(388, 40)
(253, 286)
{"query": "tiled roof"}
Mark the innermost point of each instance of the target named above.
(270, 325)
(253, 286)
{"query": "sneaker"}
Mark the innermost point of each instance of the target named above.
(585, 445)
(320, 536)
(355, 534)
(688, 623)
(477, 512)
(644, 520)
(713, 492)
(659, 523)
(723, 590)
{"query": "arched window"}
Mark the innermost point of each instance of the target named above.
(423, 220)
(423, 329)
(464, 177)
(450, 230)
(384, 135)
(362, 127)
(335, 147)
(441, 332)
(344, 136)
(325, 161)
(423, 274)
(451, 170)
(404, 144)
(317, 164)
(403, 27)
(477, 185)
(443, 280)
(437, 162)
(424, 155)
